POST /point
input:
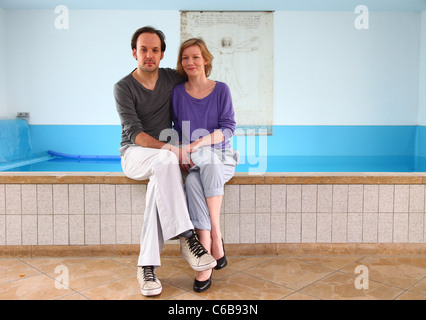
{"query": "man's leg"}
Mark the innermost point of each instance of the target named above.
(166, 205)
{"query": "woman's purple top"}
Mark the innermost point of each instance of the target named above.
(196, 118)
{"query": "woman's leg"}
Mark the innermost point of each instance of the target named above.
(214, 204)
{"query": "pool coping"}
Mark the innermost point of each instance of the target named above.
(240, 249)
(238, 179)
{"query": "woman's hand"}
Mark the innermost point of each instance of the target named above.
(185, 158)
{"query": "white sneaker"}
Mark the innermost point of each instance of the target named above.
(150, 285)
(196, 255)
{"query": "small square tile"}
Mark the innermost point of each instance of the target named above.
(340, 198)
(2, 200)
(91, 199)
(138, 198)
(232, 228)
(385, 228)
(232, 198)
(29, 229)
(76, 199)
(263, 198)
(13, 230)
(123, 199)
(386, 198)
(45, 229)
(92, 229)
(278, 227)
(309, 198)
(293, 227)
(415, 227)
(76, 229)
(339, 229)
(371, 198)
(137, 222)
(123, 228)
(325, 198)
(309, 227)
(355, 198)
(417, 198)
(13, 199)
(247, 198)
(400, 228)
(278, 198)
(2, 229)
(263, 228)
(29, 199)
(294, 198)
(370, 228)
(107, 194)
(60, 229)
(60, 199)
(324, 224)
(354, 227)
(248, 228)
(401, 198)
(44, 199)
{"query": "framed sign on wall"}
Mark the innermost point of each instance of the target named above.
(242, 43)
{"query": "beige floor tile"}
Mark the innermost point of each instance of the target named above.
(48, 265)
(300, 296)
(94, 272)
(419, 287)
(128, 289)
(72, 297)
(398, 271)
(244, 287)
(182, 275)
(243, 263)
(331, 262)
(13, 269)
(187, 296)
(341, 286)
(289, 272)
(38, 287)
(409, 295)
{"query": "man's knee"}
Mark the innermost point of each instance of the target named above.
(166, 157)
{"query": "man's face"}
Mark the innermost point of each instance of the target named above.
(148, 52)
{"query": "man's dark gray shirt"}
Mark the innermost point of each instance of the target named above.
(143, 110)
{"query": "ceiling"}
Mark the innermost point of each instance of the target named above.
(278, 5)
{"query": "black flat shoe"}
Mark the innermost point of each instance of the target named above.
(222, 262)
(201, 286)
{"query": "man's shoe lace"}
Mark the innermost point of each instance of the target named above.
(195, 246)
(148, 274)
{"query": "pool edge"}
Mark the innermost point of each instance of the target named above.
(239, 178)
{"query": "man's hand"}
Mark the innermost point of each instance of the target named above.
(183, 155)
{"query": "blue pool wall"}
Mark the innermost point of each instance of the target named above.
(284, 141)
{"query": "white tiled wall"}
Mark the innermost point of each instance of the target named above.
(94, 214)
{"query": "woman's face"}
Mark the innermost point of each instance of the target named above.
(193, 62)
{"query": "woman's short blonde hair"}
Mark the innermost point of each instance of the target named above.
(204, 51)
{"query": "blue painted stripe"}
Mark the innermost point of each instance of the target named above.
(285, 140)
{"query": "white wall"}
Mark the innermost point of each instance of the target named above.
(329, 72)
(67, 76)
(3, 110)
(326, 71)
(422, 73)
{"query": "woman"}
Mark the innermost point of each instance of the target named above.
(203, 116)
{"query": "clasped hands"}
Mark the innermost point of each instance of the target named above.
(183, 154)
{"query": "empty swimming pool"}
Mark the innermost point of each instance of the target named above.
(247, 164)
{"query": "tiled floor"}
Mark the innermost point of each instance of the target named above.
(260, 277)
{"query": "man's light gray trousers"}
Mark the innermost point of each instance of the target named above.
(166, 213)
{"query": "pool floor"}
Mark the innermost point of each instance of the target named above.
(248, 164)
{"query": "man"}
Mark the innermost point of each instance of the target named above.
(143, 104)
